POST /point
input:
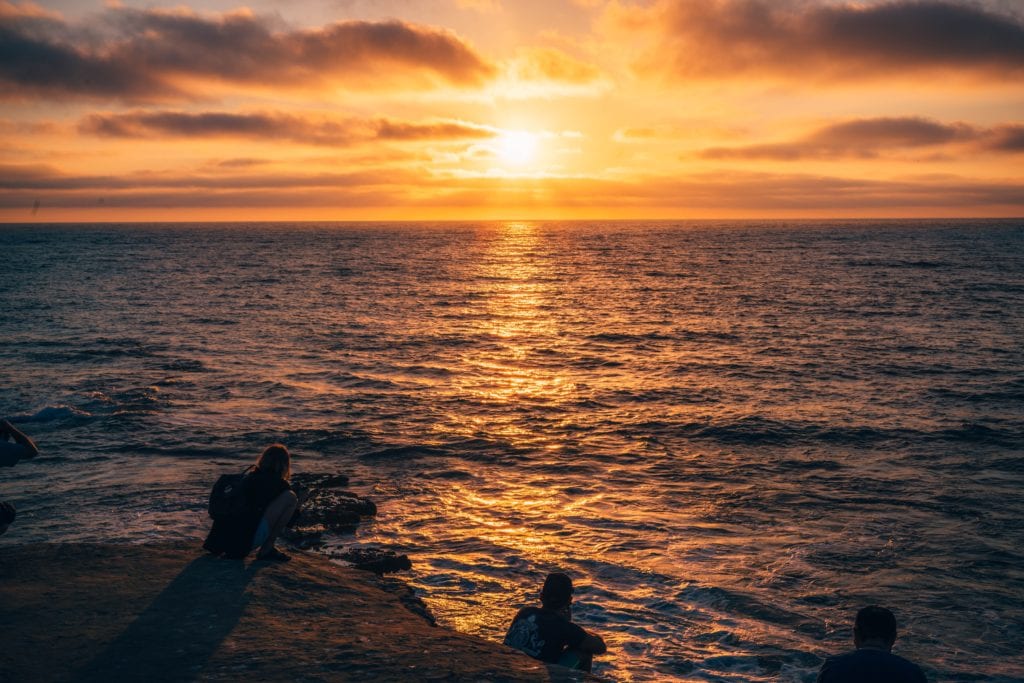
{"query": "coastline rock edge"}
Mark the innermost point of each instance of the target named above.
(84, 612)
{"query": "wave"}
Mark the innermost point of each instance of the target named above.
(53, 414)
(205, 453)
(895, 263)
(404, 453)
(755, 430)
(628, 338)
(185, 365)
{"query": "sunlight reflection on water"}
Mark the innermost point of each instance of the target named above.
(731, 436)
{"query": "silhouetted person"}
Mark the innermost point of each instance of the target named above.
(19, 447)
(547, 632)
(15, 446)
(874, 633)
(270, 504)
(7, 515)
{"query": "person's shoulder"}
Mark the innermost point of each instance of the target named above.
(526, 612)
(11, 453)
(878, 665)
(911, 670)
(838, 668)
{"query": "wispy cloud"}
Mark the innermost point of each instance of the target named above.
(870, 138)
(151, 54)
(20, 186)
(275, 126)
(837, 40)
(543, 72)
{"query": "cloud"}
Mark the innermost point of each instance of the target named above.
(386, 129)
(154, 54)
(484, 6)
(837, 40)
(551, 64)
(44, 177)
(1008, 138)
(11, 10)
(274, 126)
(755, 193)
(869, 138)
(550, 72)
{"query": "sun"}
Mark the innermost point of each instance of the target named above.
(517, 147)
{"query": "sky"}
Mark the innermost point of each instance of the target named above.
(510, 109)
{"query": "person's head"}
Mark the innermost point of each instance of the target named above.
(7, 515)
(275, 458)
(557, 591)
(875, 626)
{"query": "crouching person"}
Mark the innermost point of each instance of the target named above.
(547, 632)
(270, 503)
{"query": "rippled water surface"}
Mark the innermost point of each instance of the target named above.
(731, 435)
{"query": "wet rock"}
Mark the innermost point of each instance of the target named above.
(305, 536)
(324, 499)
(409, 599)
(314, 480)
(379, 562)
(327, 507)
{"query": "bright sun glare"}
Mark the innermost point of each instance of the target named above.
(517, 147)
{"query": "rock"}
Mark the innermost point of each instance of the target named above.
(334, 510)
(314, 480)
(305, 536)
(374, 560)
(164, 613)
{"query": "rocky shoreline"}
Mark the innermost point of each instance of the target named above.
(81, 612)
(103, 612)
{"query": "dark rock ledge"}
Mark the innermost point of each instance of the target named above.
(79, 612)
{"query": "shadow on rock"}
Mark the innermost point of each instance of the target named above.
(181, 629)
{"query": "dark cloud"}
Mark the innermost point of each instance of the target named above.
(271, 126)
(798, 38)
(263, 126)
(1009, 138)
(241, 162)
(146, 55)
(42, 177)
(869, 138)
(450, 130)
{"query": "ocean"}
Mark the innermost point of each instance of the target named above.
(732, 435)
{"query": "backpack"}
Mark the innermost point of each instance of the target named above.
(227, 499)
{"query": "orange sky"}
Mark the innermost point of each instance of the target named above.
(464, 109)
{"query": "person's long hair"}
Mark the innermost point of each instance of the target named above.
(276, 459)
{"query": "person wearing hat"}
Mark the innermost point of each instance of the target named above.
(547, 632)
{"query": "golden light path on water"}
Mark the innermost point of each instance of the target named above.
(546, 521)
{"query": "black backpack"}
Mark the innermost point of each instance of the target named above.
(227, 499)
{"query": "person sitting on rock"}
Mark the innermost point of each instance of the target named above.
(874, 633)
(20, 447)
(270, 504)
(547, 632)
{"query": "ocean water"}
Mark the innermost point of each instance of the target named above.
(732, 435)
